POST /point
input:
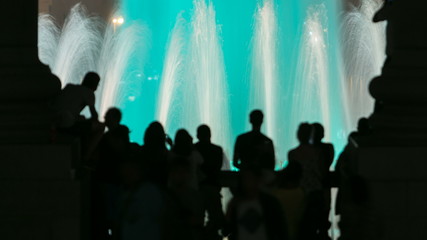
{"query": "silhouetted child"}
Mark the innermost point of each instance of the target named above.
(311, 182)
(210, 186)
(254, 148)
(253, 214)
(113, 151)
(70, 103)
(183, 148)
(113, 147)
(74, 98)
(154, 154)
(291, 196)
(327, 153)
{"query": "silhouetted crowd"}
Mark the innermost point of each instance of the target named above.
(171, 188)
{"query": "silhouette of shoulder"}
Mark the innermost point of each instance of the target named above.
(254, 138)
(72, 92)
(302, 153)
(212, 147)
(212, 154)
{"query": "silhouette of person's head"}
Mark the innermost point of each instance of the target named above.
(363, 127)
(91, 81)
(113, 117)
(318, 132)
(183, 142)
(304, 133)
(204, 133)
(155, 136)
(256, 118)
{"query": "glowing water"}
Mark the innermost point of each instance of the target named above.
(118, 48)
(311, 99)
(78, 46)
(172, 72)
(48, 43)
(84, 44)
(204, 62)
(207, 72)
(264, 66)
(363, 46)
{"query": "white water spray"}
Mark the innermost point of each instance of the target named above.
(78, 47)
(172, 71)
(311, 98)
(117, 49)
(48, 34)
(85, 44)
(363, 45)
(207, 72)
(264, 83)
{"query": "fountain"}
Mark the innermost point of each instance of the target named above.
(172, 72)
(363, 49)
(311, 92)
(85, 43)
(264, 79)
(190, 62)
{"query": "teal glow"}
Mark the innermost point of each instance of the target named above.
(236, 22)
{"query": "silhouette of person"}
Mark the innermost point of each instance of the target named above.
(327, 153)
(113, 146)
(347, 165)
(183, 147)
(154, 154)
(113, 151)
(212, 155)
(309, 159)
(291, 196)
(185, 209)
(74, 98)
(69, 104)
(210, 186)
(307, 156)
(254, 148)
(141, 205)
(252, 213)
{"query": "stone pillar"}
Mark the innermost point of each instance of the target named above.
(39, 199)
(391, 164)
(27, 85)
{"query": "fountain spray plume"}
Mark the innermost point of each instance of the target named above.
(207, 72)
(363, 44)
(120, 45)
(48, 37)
(78, 47)
(172, 70)
(264, 69)
(86, 44)
(311, 88)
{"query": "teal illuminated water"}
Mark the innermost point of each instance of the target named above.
(188, 62)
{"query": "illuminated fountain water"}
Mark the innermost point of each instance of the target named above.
(77, 45)
(207, 71)
(85, 44)
(195, 83)
(311, 94)
(363, 45)
(172, 73)
(118, 48)
(194, 62)
(264, 78)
